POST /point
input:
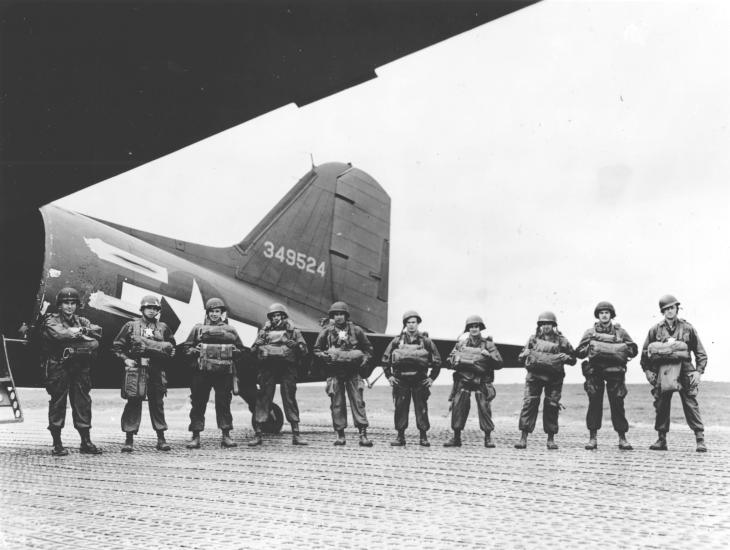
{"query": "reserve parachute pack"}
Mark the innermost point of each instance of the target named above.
(666, 352)
(606, 348)
(275, 348)
(135, 382)
(544, 357)
(349, 359)
(215, 358)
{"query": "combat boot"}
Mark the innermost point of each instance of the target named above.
(340, 437)
(296, 437)
(161, 443)
(364, 441)
(87, 447)
(592, 444)
(400, 439)
(226, 440)
(194, 442)
(58, 448)
(661, 443)
(700, 436)
(423, 442)
(258, 438)
(488, 443)
(455, 441)
(128, 446)
(522, 443)
(623, 443)
(551, 445)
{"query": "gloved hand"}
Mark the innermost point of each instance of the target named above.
(650, 377)
(427, 382)
(485, 353)
(130, 363)
(393, 381)
(364, 362)
(291, 344)
(259, 342)
(564, 357)
(694, 378)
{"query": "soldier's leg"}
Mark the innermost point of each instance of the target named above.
(551, 406)
(132, 415)
(200, 386)
(223, 386)
(288, 392)
(402, 404)
(616, 389)
(156, 404)
(688, 395)
(421, 394)
(594, 387)
(460, 406)
(80, 396)
(267, 383)
(355, 386)
(484, 397)
(530, 404)
(662, 403)
(57, 384)
(336, 390)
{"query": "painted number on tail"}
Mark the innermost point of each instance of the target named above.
(293, 258)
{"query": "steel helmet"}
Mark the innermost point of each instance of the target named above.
(472, 320)
(214, 303)
(411, 313)
(277, 308)
(666, 301)
(547, 317)
(149, 301)
(339, 307)
(68, 294)
(604, 306)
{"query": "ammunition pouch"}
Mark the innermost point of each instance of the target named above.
(668, 377)
(668, 352)
(136, 380)
(348, 359)
(216, 358)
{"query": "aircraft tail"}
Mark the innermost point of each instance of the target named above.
(326, 240)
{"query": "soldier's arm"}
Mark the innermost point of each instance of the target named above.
(188, 346)
(451, 359)
(320, 346)
(301, 342)
(581, 351)
(699, 351)
(120, 346)
(525, 351)
(365, 346)
(435, 359)
(386, 360)
(238, 347)
(54, 329)
(633, 348)
(568, 350)
(494, 355)
(650, 337)
(91, 330)
(260, 340)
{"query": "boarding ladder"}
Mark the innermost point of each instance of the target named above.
(8, 393)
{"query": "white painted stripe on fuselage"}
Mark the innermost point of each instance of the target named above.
(117, 256)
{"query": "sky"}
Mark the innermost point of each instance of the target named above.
(568, 153)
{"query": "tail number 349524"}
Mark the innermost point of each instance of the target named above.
(295, 259)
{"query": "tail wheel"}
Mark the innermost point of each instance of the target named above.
(275, 421)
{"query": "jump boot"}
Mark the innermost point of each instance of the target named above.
(592, 444)
(161, 443)
(364, 441)
(455, 440)
(194, 442)
(661, 443)
(58, 448)
(623, 443)
(522, 443)
(128, 446)
(551, 445)
(296, 437)
(340, 437)
(488, 443)
(423, 442)
(258, 438)
(700, 436)
(226, 440)
(400, 439)
(87, 447)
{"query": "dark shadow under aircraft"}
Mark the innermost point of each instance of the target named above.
(326, 240)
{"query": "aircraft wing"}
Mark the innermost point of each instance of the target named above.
(91, 90)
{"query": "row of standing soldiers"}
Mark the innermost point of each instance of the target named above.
(411, 363)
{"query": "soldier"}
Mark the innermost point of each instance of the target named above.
(544, 356)
(145, 346)
(344, 349)
(68, 345)
(474, 358)
(214, 346)
(670, 342)
(280, 347)
(608, 348)
(405, 363)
